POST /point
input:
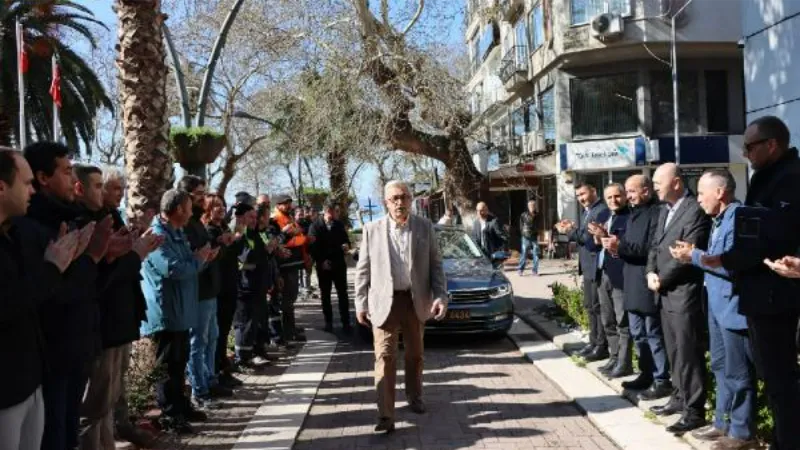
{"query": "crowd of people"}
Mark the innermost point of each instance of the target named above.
(83, 283)
(671, 274)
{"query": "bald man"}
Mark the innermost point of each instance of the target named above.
(487, 231)
(678, 289)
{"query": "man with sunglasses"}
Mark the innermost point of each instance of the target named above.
(768, 300)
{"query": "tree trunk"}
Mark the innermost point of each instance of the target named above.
(142, 85)
(337, 168)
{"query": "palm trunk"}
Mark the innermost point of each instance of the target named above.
(337, 168)
(143, 80)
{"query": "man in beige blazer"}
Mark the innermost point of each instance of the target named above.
(399, 285)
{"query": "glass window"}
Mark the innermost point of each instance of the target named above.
(533, 116)
(584, 10)
(661, 102)
(717, 101)
(603, 106)
(455, 244)
(521, 33)
(548, 117)
(476, 53)
(537, 27)
(486, 42)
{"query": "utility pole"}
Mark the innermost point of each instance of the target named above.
(674, 57)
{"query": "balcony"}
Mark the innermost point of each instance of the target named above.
(514, 68)
(510, 10)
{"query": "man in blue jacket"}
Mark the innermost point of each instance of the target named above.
(731, 357)
(170, 285)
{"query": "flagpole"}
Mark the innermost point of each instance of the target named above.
(21, 87)
(56, 121)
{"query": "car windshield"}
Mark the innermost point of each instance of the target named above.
(456, 244)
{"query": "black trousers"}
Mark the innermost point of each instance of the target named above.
(249, 321)
(591, 302)
(685, 342)
(337, 277)
(775, 357)
(226, 308)
(172, 355)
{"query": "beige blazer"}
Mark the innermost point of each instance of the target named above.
(373, 278)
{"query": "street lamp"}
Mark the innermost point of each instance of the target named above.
(248, 116)
(674, 65)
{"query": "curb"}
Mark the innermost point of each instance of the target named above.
(278, 421)
(614, 416)
(567, 342)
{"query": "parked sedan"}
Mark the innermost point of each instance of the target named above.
(481, 299)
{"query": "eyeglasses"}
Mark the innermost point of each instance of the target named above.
(398, 198)
(749, 147)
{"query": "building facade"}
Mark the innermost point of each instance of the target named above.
(564, 91)
(771, 31)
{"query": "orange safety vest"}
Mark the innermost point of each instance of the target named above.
(298, 240)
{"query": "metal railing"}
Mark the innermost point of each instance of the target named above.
(515, 60)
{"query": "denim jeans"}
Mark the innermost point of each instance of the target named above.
(533, 246)
(203, 349)
(648, 341)
(732, 364)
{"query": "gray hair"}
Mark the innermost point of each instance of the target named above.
(113, 174)
(618, 186)
(723, 178)
(396, 184)
(172, 200)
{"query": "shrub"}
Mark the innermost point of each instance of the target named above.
(571, 302)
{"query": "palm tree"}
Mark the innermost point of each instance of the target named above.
(82, 92)
(142, 85)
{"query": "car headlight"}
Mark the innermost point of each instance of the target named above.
(501, 290)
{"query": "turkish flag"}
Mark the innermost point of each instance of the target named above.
(22, 55)
(55, 86)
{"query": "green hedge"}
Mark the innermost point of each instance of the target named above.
(570, 300)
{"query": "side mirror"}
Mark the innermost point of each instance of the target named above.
(499, 256)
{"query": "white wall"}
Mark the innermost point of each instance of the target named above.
(772, 61)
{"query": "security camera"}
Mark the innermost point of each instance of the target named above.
(740, 43)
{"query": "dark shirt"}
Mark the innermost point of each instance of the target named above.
(327, 245)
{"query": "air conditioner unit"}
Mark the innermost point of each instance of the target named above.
(607, 25)
(534, 142)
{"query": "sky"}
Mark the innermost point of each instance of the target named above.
(367, 177)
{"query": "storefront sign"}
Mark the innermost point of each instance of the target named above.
(604, 155)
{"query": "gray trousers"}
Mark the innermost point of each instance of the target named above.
(615, 320)
(289, 293)
(102, 393)
(22, 425)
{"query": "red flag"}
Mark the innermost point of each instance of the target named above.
(22, 55)
(55, 86)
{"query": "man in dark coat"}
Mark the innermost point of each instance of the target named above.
(643, 312)
(611, 288)
(31, 276)
(329, 244)
(488, 232)
(70, 319)
(594, 211)
(678, 287)
(770, 302)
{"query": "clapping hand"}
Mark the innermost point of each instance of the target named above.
(147, 243)
(61, 252)
(611, 244)
(788, 266)
(226, 239)
(98, 244)
(682, 251)
(597, 230)
(119, 244)
(202, 254)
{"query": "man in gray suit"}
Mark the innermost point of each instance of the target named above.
(394, 251)
(678, 287)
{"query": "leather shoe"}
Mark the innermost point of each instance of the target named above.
(656, 391)
(385, 425)
(598, 354)
(731, 443)
(417, 406)
(641, 383)
(708, 433)
(685, 425)
(665, 410)
(620, 370)
(608, 367)
(589, 348)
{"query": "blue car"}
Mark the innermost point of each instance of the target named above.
(481, 297)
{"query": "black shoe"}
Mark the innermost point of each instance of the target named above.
(685, 425)
(641, 383)
(598, 354)
(417, 407)
(347, 328)
(666, 410)
(193, 415)
(229, 380)
(328, 328)
(589, 348)
(176, 424)
(608, 367)
(620, 370)
(220, 391)
(656, 391)
(385, 425)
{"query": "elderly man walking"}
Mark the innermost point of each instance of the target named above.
(388, 300)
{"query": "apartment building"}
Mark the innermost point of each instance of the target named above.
(564, 91)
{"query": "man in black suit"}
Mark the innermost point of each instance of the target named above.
(329, 245)
(611, 287)
(643, 312)
(487, 231)
(594, 211)
(678, 287)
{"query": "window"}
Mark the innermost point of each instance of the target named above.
(520, 125)
(486, 42)
(604, 105)
(475, 54)
(537, 27)
(584, 10)
(456, 244)
(533, 116)
(548, 117)
(521, 35)
(717, 101)
(661, 102)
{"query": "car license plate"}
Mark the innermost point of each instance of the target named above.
(458, 314)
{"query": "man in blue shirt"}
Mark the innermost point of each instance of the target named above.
(731, 357)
